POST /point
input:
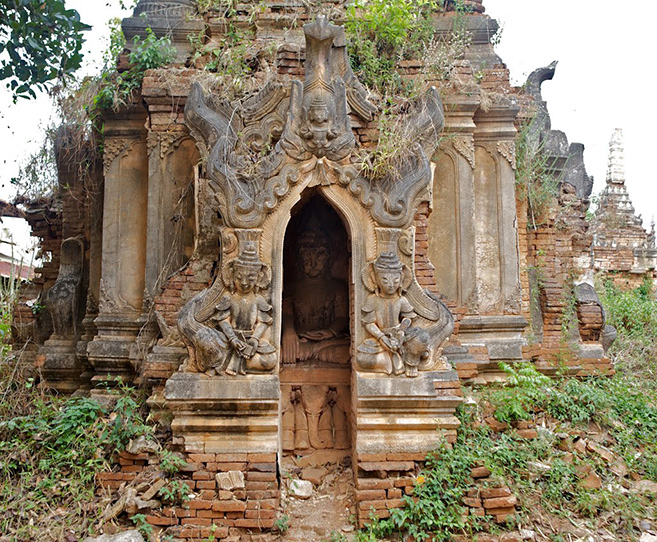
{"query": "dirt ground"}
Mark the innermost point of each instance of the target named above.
(328, 513)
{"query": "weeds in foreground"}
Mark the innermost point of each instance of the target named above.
(51, 449)
(547, 473)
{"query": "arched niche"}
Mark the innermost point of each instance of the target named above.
(316, 349)
(357, 223)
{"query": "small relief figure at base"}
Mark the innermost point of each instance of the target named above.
(394, 346)
(314, 417)
(243, 316)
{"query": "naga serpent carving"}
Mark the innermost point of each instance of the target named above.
(256, 151)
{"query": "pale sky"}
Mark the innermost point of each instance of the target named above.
(604, 79)
(602, 82)
(22, 124)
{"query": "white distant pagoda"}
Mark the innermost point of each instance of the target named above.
(620, 243)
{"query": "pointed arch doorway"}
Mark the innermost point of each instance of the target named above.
(315, 371)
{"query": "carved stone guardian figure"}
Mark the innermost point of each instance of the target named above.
(393, 346)
(226, 324)
(61, 368)
(63, 296)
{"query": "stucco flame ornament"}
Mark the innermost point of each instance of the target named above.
(258, 149)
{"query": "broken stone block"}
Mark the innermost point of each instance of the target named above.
(152, 491)
(645, 486)
(126, 536)
(142, 445)
(539, 468)
(230, 480)
(591, 481)
(314, 475)
(600, 450)
(480, 472)
(301, 489)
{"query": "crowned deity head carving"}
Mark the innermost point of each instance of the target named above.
(247, 273)
(318, 131)
(388, 276)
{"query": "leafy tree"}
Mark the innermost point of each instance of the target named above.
(40, 40)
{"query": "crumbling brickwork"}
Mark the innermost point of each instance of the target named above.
(232, 493)
(510, 285)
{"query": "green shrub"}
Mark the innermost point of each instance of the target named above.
(51, 450)
(633, 312)
(147, 54)
(533, 183)
(383, 32)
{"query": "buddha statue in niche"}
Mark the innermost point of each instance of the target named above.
(315, 304)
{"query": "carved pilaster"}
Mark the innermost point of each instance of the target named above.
(95, 192)
(451, 223)
(499, 325)
(464, 146)
(171, 160)
(121, 285)
(496, 238)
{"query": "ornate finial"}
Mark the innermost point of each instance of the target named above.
(249, 255)
(616, 164)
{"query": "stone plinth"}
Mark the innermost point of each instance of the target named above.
(499, 338)
(402, 415)
(109, 352)
(223, 416)
(62, 369)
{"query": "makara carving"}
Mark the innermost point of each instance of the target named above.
(227, 326)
